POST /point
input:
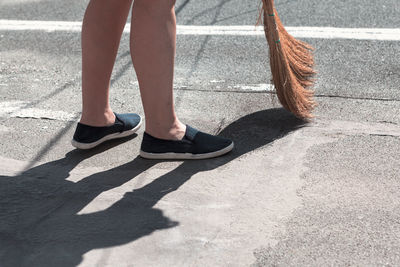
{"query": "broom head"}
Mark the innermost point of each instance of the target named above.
(291, 64)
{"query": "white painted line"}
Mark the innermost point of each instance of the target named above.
(220, 86)
(20, 109)
(346, 33)
(240, 30)
(262, 87)
(36, 25)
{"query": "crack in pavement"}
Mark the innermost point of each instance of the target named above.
(358, 98)
(185, 88)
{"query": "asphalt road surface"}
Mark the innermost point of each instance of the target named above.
(290, 194)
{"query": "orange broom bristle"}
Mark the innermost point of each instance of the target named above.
(291, 64)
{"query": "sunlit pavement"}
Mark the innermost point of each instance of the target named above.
(290, 194)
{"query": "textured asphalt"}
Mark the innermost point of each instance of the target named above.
(324, 193)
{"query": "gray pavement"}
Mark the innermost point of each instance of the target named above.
(290, 194)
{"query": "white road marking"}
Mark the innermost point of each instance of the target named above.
(18, 2)
(262, 87)
(383, 34)
(21, 109)
(214, 84)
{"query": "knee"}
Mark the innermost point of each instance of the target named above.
(154, 7)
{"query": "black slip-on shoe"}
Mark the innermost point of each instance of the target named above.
(194, 145)
(87, 137)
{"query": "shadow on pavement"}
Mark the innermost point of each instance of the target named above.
(39, 220)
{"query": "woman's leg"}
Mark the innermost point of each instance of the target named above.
(102, 28)
(153, 44)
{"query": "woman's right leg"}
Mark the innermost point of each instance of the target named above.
(102, 28)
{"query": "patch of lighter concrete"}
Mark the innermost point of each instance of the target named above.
(4, 129)
(224, 214)
(11, 167)
(107, 198)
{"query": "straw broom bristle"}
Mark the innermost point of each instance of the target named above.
(291, 64)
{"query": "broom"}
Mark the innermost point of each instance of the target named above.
(291, 64)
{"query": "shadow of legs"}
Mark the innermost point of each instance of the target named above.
(40, 224)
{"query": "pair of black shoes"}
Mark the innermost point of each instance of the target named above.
(194, 145)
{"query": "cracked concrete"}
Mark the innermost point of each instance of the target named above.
(204, 225)
(350, 213)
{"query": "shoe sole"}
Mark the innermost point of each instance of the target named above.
(80, 145)
(172, 155)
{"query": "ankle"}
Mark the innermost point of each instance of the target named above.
(98, 119)
(173, 131)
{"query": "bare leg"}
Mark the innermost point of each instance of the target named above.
(153, 45)
(102, 28)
